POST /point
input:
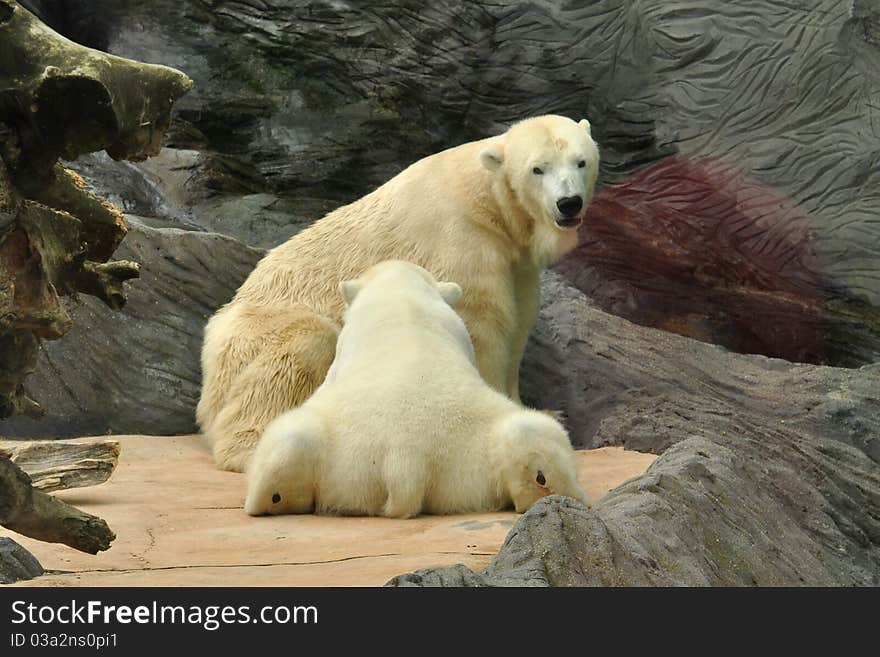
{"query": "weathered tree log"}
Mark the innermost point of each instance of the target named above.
(61, 99)
(19, 351)
(33, 513)
(96, 381)
(78, 100)
(8, 202)
(105, 280)
(103, 225)
(55, 465)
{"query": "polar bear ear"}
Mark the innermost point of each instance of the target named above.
(492, 156)
(349, 289)
(451, 292)
(586, 126)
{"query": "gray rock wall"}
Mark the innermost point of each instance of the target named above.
(769, 472)
(323, 101)
(137, 370)
(300, 107)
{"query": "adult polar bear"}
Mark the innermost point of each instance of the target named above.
(489, 215)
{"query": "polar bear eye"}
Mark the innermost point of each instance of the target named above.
(582, 164)
(540, 479)
(538, 171)
(276, 498)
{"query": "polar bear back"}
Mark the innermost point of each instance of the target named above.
(403, 387)
(440, 441)
(403, 402)
(425, 212)
(403, 422)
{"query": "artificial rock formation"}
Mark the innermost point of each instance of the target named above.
(730, 211)
(16, 563)
(302, 106)
(698, 247)
(60, 100)
(769, 471)
(739, 150)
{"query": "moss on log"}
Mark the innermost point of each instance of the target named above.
(78, 100)
(59, 99)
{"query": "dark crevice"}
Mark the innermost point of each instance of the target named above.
(6, 12)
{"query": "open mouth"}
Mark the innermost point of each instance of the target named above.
(568, 222)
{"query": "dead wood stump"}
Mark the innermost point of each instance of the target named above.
(59, 100)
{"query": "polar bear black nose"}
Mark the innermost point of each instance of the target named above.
(569, 206)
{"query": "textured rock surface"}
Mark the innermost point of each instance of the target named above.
(699, 248)
(16, 563)
(741, 500)
(620, 383)
(769, 473)
(140, 371)
(301, 106)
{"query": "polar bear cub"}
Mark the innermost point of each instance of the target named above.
(403, 423)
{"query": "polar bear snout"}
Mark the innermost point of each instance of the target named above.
(569, 208)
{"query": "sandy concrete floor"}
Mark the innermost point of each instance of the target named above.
(179, 522)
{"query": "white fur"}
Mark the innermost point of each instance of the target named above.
(403, 423)
(561, 160)
(475, 214)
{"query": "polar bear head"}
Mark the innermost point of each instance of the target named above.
(400, 294)
(550, 165)
(391, 275)
(281, 473)
(537, 460)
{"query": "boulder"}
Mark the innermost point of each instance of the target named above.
(768, 473)
(16, 563)
(617, 383)
(755, 508)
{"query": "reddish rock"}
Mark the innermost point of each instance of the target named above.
(699, 248)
